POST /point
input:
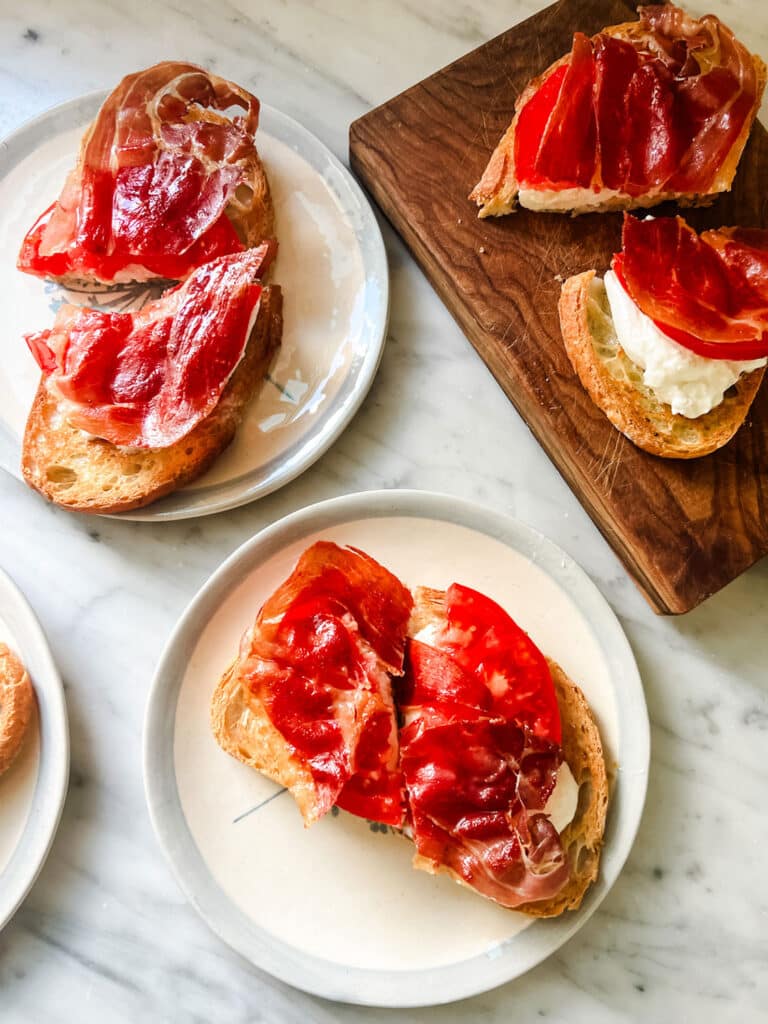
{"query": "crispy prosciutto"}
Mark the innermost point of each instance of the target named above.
(318, 660)
(146, 379)
(480, 751)
(708, 292)
(157, 171)
(656, 108)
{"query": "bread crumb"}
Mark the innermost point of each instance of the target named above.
(481, 249)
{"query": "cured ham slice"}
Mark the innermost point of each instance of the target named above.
(146, 379)
(480, 749)
(318, 661)
(163, 183)
(476, 791)
(708, 292)
(648, 110)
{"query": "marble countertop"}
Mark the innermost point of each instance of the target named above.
(105, 934)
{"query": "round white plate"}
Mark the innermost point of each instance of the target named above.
(33, 789)
(332, 268)
(336, 909)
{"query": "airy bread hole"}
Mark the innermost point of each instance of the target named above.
(583, 858)
(62, 475)
(585, 798)
(131, 469)
(244, 194)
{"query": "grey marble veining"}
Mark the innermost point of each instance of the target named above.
(105, 934)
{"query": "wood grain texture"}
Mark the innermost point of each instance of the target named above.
(682, 529)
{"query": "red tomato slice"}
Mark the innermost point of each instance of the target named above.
(484, 640)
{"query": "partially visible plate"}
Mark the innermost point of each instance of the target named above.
(336, 909)
(331, 265)
(33, 789)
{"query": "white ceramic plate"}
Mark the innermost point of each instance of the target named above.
(336, 909)
(33, 789)
(331, 265)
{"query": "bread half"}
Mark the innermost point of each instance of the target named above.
(498, 191)
(87, 474)
(582, 838)
(615, 383)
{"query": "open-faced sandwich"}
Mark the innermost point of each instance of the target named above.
(431, 712)
(131, 406)
(672, 343)
(654, 109)
(166, 180)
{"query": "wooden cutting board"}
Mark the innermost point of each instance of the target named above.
(682, 529)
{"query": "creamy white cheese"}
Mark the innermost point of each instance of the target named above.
(564, 199)
(691, 384)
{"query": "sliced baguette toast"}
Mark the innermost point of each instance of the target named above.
(86, 474)
(498, 191)
(582, 839)
(615, 383)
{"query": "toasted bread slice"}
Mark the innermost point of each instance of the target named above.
(582, 839)
(498, 192)
(87, 474)
(17, 702)
(615, 383)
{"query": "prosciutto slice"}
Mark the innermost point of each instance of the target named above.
(476, 791)
(146, 379)
(155, 174)
(656, 108)
(480, 752)
(319, 659)
(709, 292)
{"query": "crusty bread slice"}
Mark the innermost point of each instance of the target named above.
(582, 838)
(86, 474)
(498, 191)
(615, 383)
(17, 702)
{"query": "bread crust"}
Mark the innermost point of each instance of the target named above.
(17, 702)
(87, 474)
(582, 838)
(614, 382)
(497, 192)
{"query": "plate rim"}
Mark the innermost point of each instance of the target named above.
(52, 783)
(337, 417)
(364, 986)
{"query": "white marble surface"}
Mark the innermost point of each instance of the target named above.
(105, 934)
